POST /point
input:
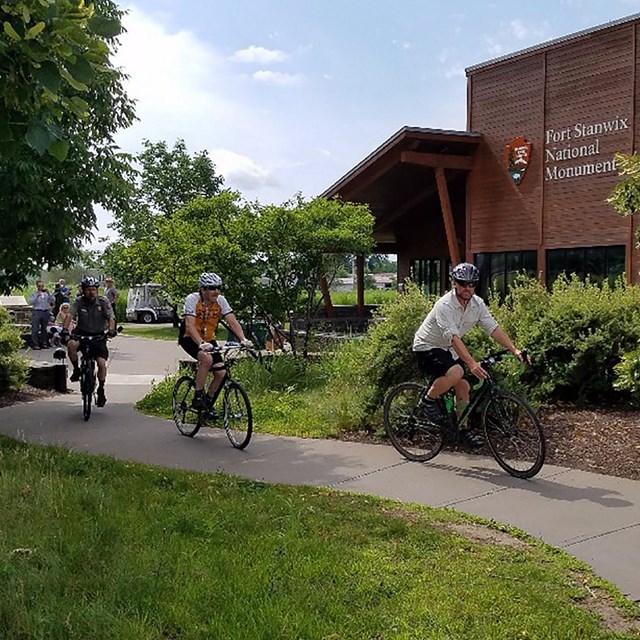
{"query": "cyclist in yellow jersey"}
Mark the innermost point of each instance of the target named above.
(197, 336)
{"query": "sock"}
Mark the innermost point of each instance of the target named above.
(428, 399)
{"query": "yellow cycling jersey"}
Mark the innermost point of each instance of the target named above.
(207, 315)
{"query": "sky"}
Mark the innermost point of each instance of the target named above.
(287, 96)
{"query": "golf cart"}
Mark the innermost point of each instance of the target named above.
(148, 303)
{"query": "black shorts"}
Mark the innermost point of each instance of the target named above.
(97, 348)
(436, 362)
(189, 345)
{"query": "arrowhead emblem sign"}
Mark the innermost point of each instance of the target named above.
(517, 154)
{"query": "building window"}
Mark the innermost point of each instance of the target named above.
(599, 263)
(499, 270)
(429, 274)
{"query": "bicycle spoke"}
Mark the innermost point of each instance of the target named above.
(515, 436)
(185, 417)
(238, 421)
(414, 437)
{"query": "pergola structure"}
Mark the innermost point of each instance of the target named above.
(415, 187)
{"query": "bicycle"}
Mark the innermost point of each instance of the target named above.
(237, 418)
(511, 427)
(88, 366)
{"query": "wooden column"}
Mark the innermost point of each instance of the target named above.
(326, 296)
(360, 284)
(447, 216)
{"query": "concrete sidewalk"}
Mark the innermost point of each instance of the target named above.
(593, 517)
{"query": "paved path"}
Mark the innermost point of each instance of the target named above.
(593, 517)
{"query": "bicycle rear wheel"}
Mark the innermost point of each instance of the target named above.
(414, 437)
(187, 419)
(515, 435)
(87, 385)
(238, 420)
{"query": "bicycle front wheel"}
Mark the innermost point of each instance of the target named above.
(238, 420)
(415, 438)
(187, 419)
(515, 435)
(87, 384)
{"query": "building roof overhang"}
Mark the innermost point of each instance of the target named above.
(392, 180)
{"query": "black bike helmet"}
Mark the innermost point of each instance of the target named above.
(465, 272)
(89, 281)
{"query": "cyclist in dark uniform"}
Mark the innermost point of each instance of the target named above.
(197, 336)
(93, 315)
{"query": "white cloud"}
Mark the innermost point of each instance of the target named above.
(258, 55)
(276, 77)
(518, 29)
(240, 171)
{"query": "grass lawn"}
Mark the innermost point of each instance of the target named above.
(93, 548)
(154, 331)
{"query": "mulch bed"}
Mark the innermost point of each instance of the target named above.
(594, 439)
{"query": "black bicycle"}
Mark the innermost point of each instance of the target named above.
(88, 366)
(511, 426)
(235, 412)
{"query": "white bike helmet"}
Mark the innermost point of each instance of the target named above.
(209, 279)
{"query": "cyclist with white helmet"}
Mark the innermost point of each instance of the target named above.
(197, 336)
(93, 315)
(439, 347)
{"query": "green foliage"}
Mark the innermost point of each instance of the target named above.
(299, 243)
(293, 246)
(625, 196)
(61, 102)
(628, 375)
(103, 549)
(385, 356)
(576, 334)
(13, 367)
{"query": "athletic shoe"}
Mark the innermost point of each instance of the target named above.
(75, 376)
(472, 440)
(199, 402)
(101, 399)
(430, 411)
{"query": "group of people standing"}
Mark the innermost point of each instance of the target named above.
(50, 310)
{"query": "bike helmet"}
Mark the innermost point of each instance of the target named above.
(210, 279)
(465, 272)
(89, 282)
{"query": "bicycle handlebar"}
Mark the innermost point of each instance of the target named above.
(492, 358)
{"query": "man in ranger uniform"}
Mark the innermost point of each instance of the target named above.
(93, 316)
(202, 313)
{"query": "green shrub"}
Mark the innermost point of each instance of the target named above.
(13, 367)
(576, 333)
(628, 375)
(384, 357)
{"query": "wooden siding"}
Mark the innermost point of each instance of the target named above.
(506, 103)
(584, 82)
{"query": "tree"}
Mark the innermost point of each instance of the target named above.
(300, 242)
(625, 196)
(61, 102)
(272, 258)
(165, 180)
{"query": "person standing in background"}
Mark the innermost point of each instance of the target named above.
(41, 302)
(110, 292)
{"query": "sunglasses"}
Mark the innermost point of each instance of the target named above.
(212, 288)
(464, 283)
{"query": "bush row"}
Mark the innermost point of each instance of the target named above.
(583, 340)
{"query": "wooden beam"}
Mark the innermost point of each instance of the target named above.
(442, 160)
(360, 284)
(330, 312)
(369, 175)
(407, 206)
(447, 216)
